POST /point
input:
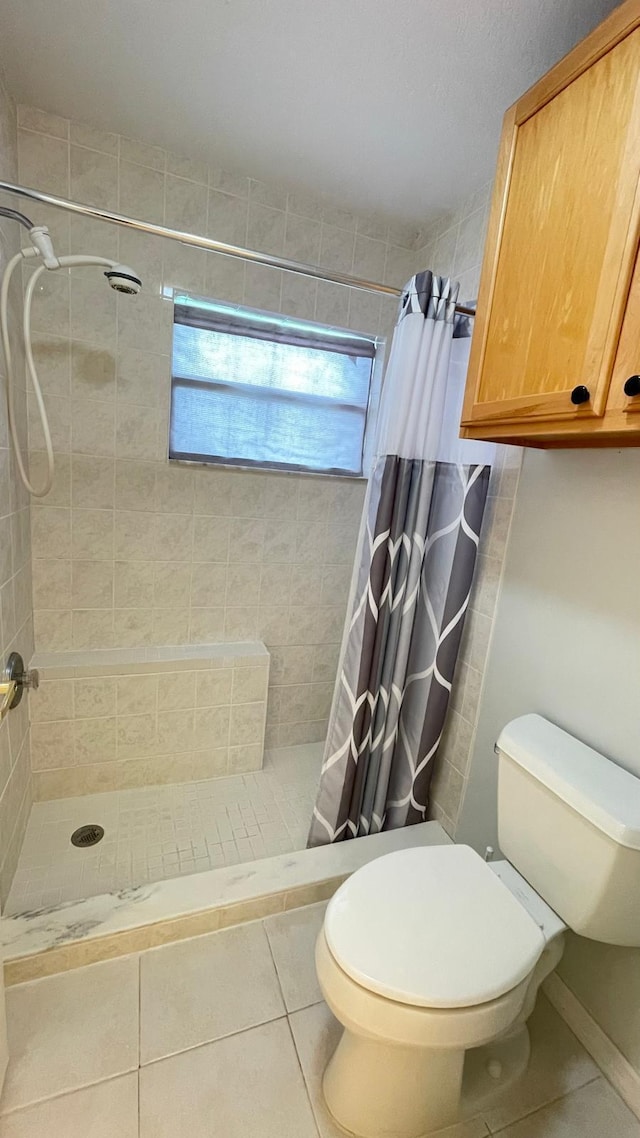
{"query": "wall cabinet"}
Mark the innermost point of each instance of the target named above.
(557, 332)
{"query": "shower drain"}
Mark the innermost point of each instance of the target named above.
(87, 836)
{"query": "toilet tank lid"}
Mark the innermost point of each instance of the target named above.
(602, 792)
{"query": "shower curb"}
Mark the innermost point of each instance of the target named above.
(71, 935)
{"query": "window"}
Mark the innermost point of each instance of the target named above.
(258, 389)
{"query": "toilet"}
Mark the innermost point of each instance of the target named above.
(431, 958)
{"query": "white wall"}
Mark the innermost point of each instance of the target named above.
(566, 644)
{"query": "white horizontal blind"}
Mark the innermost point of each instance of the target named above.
(258, 389)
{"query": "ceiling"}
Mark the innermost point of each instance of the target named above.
(392, 105)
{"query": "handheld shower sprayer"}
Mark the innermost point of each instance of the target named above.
(120, 277)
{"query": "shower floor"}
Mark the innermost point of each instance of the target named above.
(165, 831)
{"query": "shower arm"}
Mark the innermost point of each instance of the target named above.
(198, 241)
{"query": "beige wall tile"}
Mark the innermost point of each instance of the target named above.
(145, 154)
(51, 745)
(337, 248)
(93, 373)
(213, 689)
(170, 626)
(137, 694)
(177, 690)
(32, 118)
(92, 584)
(141, 191)
(44, 162)
(51, 583)
(227, 218)
(96, 139)
(92, 627)
(93, 177)
(53, 700)
(249, 684)
(94, 740)
(92, 482)
(247, 723)
(94, 696)
(92, 308)
(208, 583)
(133, 584)
(132, 627)
(185, 204)
(141, 375)
(92, 534)
(245, 758)
(51, 532)
(212, 727)
(52, 629)
(206, 625)
(200, 555)
(177, 732)
(138, 735)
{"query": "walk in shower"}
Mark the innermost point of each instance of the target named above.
(145, 567)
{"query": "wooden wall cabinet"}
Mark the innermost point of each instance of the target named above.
(557, 332)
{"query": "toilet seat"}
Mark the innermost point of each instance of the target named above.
(432, 927)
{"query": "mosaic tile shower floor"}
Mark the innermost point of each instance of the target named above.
(165, 831)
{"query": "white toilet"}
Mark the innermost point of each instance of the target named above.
(431, 958)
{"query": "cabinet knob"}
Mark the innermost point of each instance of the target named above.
(632, 386)
(580, 394)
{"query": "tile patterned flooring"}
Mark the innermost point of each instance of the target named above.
(225, 1036)
(166, 831)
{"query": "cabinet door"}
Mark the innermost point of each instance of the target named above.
(623, 405)
(564, 232)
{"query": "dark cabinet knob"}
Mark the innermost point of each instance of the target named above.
(632, 386)
(580, 394)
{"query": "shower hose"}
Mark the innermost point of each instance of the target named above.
(41, 491)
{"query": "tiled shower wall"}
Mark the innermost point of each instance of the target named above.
(16, 623)
(454, 246)
(147, 717)
(129, 550)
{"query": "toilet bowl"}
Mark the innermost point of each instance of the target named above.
(431, 958)
(424, 955)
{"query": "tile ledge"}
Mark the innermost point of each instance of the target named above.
(115, 660)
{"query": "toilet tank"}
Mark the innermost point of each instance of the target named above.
(569, 821)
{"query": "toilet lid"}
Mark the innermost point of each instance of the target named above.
(432, 927)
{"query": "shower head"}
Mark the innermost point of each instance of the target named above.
(123, 279)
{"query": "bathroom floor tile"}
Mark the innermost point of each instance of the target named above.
(71, 1030)
(558, 1064)
(248, 1084)
(594, 1111)
(202, 989)
(316, 1033)
(292, 937)
(102, 1111)
(157, 832)
(472, 1128)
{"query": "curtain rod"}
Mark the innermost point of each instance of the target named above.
(200, 242)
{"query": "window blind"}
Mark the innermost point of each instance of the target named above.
(259, 389)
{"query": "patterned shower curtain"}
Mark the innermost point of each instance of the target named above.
(412, 581)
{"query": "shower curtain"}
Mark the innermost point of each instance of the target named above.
(412, 579)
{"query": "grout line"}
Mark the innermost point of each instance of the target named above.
(542, 1106)
(139, 1010)
(210, 1042)
(274, 962)
(18, 1110)
(304, 1079)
